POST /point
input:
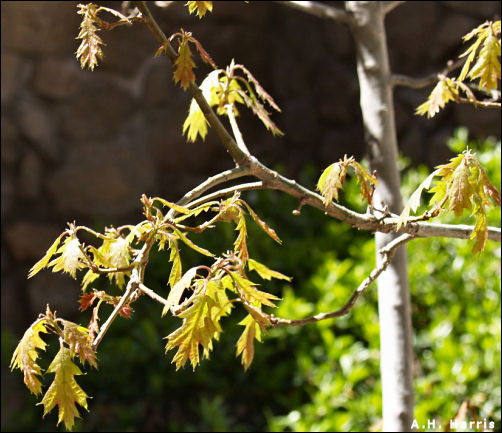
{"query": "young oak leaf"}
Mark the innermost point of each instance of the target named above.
(89, 50)
(330, 181)
(79, 342)
(263, 225)
(245, 344)
(200, 7)
(487, 67)
(251, 293)
(42, 263)
(178, 288)
(240, 243)
(265, 272)
(71, 257)
(480, 231)
(444, 92)
(64, 390)
(184, 65)
(175, 258)
(197, 329)
(365, 180)
(25, 356)
(460, 190)
(196, 122)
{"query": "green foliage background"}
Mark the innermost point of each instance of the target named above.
(320, 377)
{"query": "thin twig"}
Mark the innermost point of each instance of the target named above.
(271, 179)
(152, 294)
(226, 191)
(209, 183)
(132, 285)
(388, 251)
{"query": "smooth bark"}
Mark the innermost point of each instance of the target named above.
(377, 108)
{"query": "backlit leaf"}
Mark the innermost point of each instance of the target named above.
(79, 342)
(89, 51)
(444, 92)
(200, 7)
(245, 344)
(25, 356)
(64, 390)
(177, 290)
(71, 257)
(197, 328)
(42, 263)
(330, 181)
(265, 272)
(252, 294)
(184, 65)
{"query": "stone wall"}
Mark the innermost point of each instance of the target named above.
(81, 145)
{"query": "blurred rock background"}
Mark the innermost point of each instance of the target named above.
(81, 145)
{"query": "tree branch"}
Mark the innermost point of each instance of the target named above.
(238, 155)
(388, 251)
(319, 10)
(389, 6)
(249, 165)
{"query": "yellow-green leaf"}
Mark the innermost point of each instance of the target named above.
(89, 51)
(79, 342)
(64, 390)
(487, 67)
(245, 344)
(177, 290)
(42, 263)
(197, 328)
(25, 356)
(252, 294)
(331, 181)
(71, 257)
(265, 272)
(184, 65)
(444, 92)
(201, 7)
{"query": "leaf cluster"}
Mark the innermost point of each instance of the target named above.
(90, 52)
(64, 391)
(201, 296)
(482, 63)
(223, 89)
(462, 185)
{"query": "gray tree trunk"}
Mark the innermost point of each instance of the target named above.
(393, 288)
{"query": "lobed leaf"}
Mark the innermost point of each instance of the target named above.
(89, 51)
(200, 7)
(265, 272)
(262, 224)
(184, 65)
(42, 263)
(71, 257)
(245, 344)
(79, 342)
(64, 390)
(444, 91)
(487, 67)
(178, 288)
(25, 355)
(330, 181)
(198, 328)
(252, 294)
